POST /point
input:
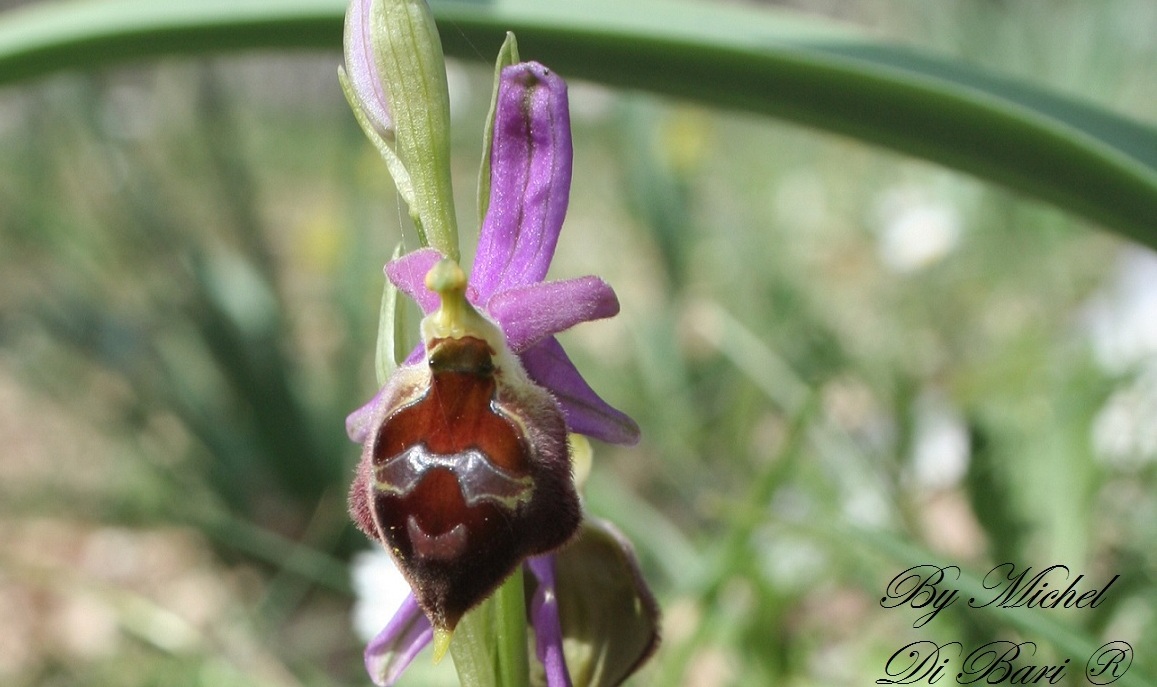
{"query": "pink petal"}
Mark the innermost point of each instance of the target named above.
(408, 273)
(529, 314)
(530, 171)
(548, 365)
(360, 423)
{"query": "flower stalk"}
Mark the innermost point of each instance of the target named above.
(490, 643)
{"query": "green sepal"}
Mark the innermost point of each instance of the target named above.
(394, 165)
(408, 53)
(610, 620)
(507, 55)
(391, 345)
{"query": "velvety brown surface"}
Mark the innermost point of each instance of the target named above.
(422, 524)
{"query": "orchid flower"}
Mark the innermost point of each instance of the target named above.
(466, 468)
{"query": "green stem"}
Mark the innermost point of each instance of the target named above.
(510, 626)
(490, 642)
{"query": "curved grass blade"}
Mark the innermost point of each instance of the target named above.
(1075, 155)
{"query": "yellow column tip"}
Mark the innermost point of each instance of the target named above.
(446, 277)
(442, 639)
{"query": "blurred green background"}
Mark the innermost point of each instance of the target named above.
(845, 362)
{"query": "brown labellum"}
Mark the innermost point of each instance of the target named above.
(466, 475)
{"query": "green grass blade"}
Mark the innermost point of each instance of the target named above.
(1080, 157)
(42, 38)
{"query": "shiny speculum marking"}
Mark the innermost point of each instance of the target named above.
(479, 480)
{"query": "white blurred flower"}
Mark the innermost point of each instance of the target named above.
(865, 504)
(1122, 317)
(915, 229)
(1124, 434)
(791, 563)
(379, 589)
(1121, 322)
(940, 447)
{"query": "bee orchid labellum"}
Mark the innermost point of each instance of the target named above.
(468, 471)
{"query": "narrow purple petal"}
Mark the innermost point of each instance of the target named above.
(548, 365)
(407, 633)
(408, 273)
(362, 68)
(529, 314)
(547, 626)
(530, 171)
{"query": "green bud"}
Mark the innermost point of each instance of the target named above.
(610, 621)
(411, 129)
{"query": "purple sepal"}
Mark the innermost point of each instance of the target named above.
(547, 627)
(529, 314)
(407, 633)
(548, 365)
(530, 174)
(362, 68)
